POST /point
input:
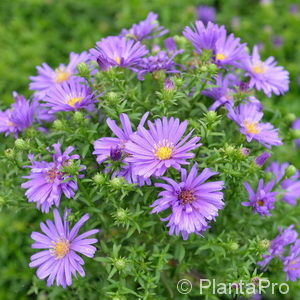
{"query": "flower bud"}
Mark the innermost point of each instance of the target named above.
(58, 125)
(290, 117)
(83, 70)
(264, 245)
(9, 153)
(121, 214)
(233, 246)
(261, 159)
(211, 116)
(290, 171)
(117, 182)
(78, 116)
(112, 97)
(120, 263)
(245, 151)
(21, 144)
(229, 150)
(168, 85)
(178, 82)
(204, 68)
(31, 132)
(295, 134)
(268, 176)
(235, 285)
(180, 41)
(212, 68)
(99, 179)
(255, 280)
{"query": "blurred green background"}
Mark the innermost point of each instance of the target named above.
(37, 31)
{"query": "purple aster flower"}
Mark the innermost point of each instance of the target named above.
(58, 258)
(292, 263)
(47, 77)
(169, 84)
(114, 148)
(245, 151)
(170, 45)
(223, 92)
(248, 117)
(48, 181)
(277, 41)
(146, 29)
(226, 50)
(206, 13)
(265, 75)
(193, 202)
(277, 246)
(159, 62)
(296, 126)
(153, 151)
(262, 201)
(204, 37)
(262, 158)
(290, 186)
(115, 51)
(229, 50)
(19, 117)
(69, 96)
(293, 9)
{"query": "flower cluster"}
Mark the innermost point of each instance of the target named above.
(264, 198)
(150, 152)
(162, 152)
(277, 248)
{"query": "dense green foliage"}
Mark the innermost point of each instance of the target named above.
(136, 258)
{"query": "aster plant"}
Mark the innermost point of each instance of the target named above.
(170, 136)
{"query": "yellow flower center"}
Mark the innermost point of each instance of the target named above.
(60, 249)
(220, 56)
(164, 152)
(61, 75)
(117, 60)
(258, 69)
(260, 203)
(74, 100)
(251, 127)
